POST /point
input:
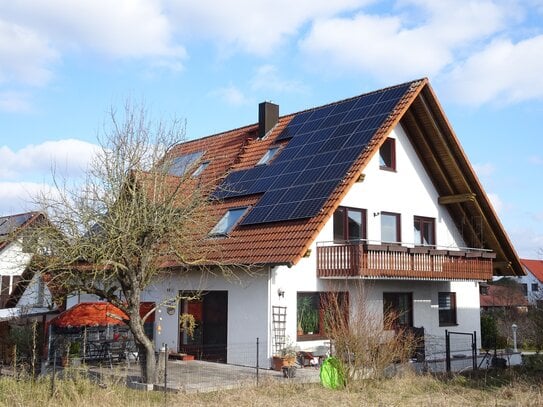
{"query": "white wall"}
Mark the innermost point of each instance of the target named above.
(13, 262)
(529, 279)
(248, 311)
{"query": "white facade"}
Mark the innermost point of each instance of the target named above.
(13, 262)
(533, 288)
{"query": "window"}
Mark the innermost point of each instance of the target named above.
(535, 287)
(390, 227)
(181, 164)
(387, 155)
(524, 288)
(266, 158)
(398, 310)
(424, 229)
(447, 308)
(318, 310)
(228, 221)
(200, 169)
(349, 224)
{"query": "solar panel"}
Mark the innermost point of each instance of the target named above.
(323, 145)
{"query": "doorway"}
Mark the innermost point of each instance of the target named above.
(209, 339)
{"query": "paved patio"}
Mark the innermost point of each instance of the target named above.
(200, 376)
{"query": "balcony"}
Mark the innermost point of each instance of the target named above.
(363, 260)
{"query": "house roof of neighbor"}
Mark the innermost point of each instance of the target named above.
(12, 225)
(535, 267)
(320, 153)
(503, 296)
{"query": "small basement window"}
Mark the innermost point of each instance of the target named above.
(266, 158)
(387, 155)
(200, 169)
(228, 222)
(181, 164)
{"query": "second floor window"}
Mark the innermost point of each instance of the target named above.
(349, 224)
(424, 229)
(390, 227)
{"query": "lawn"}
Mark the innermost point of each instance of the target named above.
(506, 388)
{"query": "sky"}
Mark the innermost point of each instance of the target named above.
(64, 64)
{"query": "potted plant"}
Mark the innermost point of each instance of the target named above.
(285, 357)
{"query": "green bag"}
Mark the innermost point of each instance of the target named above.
(331, 374)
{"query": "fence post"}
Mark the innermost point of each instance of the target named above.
(54, 371)
(165, 372)
(447, 351)
(474, 350)
(257, 364)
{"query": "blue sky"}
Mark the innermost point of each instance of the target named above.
(64, 64)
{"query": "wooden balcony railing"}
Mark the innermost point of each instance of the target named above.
(360, 259)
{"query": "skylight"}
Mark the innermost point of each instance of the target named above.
(268, 156)
(200, 169)
(182, 163)
(228, 221)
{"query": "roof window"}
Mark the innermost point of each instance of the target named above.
(266, 158)
(181, 164)
(200, 169)
(228, 221)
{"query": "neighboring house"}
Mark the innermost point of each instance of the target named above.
(23, 294)
(370, 197)
(507, 297)
(532, 282)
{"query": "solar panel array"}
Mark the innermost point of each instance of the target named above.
(324, 144)
(8, 224)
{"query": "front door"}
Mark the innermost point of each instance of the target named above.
(209, 339)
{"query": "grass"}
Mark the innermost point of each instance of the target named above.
(507, 388)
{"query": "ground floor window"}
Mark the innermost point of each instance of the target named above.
(447, 309)
(398, 310)
(319, 311)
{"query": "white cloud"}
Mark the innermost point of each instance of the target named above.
(231, 95)
(267, 78)
(484, 170)
(503, 72)
(69, 156)
(11, 101)
(257, 27)
(398, 46)
(536, 159)
(528, 242)
(26, 56)
(17, 197)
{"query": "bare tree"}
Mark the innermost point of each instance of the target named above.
(127, 223)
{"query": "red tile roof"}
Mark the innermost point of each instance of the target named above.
(286, 242)
(535, 267)
(503, 296)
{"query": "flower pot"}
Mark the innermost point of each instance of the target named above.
(279, 362)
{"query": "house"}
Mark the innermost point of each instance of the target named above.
(532, 282)
(22, 292)
(371, 198)
(502, 296)
(24, 295)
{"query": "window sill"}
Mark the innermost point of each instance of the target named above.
(312, 337)
(449, 324)
(391, 169)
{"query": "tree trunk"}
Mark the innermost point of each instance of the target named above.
(146, 350)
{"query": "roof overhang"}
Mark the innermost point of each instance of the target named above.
(455, 180)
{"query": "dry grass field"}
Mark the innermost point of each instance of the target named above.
(507, 388)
